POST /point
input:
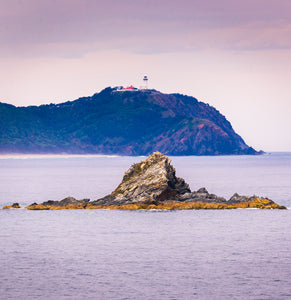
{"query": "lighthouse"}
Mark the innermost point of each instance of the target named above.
(145, 82)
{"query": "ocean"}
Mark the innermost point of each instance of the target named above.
(102, 254)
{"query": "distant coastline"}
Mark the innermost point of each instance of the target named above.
(121, 123)
(66, 155)
(42, 156)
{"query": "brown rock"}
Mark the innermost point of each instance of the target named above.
(148, 181)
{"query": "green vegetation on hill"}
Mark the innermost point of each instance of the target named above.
(125, 123)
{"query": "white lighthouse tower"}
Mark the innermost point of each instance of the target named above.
(145, 82)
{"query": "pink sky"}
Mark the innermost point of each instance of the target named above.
(234, 55)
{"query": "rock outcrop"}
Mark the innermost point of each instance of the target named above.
(201, 195)
(150, 181)
(67, 203)
(14, 205)
(152, 184)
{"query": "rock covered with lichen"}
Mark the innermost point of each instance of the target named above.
(14, 205)
(68, 202)
(150, 181)
(152, 184)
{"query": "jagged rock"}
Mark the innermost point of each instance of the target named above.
(149, 181)
(14, 205)
(201, 195)
(62, 203)
(66, 201)
(236, 198)
(152, 184)
(202, 190)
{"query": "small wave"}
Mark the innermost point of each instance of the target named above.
(46, 156)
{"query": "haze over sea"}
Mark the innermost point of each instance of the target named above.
(102, 254)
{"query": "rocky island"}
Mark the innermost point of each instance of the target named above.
(152, 184)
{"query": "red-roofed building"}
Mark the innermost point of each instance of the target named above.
(130, 88)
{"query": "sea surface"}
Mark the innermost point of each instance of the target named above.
(102, 254)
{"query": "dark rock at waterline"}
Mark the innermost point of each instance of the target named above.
(154, 181)
(201, 195)
(14, 205)
(236, 198)
(65, 202)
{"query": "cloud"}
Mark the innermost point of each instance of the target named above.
(68, 28)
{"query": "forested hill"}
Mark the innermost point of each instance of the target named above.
(124, 123)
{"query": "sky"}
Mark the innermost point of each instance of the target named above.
(234, 55)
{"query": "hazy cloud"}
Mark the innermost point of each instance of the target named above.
(75, 27)
(233, 54)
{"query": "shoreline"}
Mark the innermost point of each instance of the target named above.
(4, 156)
(165, 206)
(45, 156)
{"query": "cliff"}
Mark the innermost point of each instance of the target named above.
(152, 184)
(124, 123)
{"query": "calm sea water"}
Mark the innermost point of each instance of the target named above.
(100, 254)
